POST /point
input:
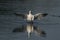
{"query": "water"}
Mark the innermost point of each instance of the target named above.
(50, 24)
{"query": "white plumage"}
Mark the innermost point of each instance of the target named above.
(30, 17)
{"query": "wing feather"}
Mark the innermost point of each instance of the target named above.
(39, 32)
(20, 29)
(40, 15)
(21, 15)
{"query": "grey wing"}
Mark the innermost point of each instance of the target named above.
(40, 15)
(21, 15)
(20, 29)
(39, 32)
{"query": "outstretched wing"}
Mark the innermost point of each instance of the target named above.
(40, 15)
(21, 15)
(20, 29)
(39, 32)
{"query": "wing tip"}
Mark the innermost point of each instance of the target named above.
(18, 30)
(45, 14)
(43, 33)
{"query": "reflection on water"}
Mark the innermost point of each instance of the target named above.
(50, 24)
(30, 28)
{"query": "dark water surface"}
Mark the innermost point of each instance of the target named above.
(8, 21)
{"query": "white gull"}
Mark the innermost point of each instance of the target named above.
(30, 17)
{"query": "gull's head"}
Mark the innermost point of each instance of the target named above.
(29, 35)
(30, 12)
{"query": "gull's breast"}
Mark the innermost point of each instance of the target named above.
(30, 17)
(29, 29)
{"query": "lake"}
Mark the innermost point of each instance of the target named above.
(50, 24)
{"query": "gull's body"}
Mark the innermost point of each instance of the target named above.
(30, 17)
(30, 29)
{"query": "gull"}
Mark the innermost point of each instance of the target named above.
(29, 28)
(30, 17)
